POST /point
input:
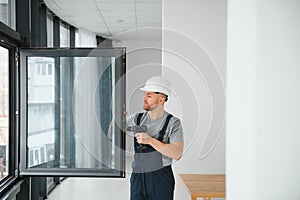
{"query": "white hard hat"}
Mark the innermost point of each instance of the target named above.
(157, 84)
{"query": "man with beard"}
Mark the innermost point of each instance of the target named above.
(152, 176)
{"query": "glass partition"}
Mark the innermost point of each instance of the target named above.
(73, 118)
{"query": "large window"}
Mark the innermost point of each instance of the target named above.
(72, 117)
(4, 112)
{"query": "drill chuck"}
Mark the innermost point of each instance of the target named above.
(137, 129)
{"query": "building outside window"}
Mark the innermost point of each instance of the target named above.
(4, 112)
(40, 110)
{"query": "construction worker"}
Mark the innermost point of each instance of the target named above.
(152, 176)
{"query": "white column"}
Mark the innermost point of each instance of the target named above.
(263, 95)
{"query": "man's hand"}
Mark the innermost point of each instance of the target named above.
(173, 150)
(143, 138)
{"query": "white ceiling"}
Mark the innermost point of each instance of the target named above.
(111, 18)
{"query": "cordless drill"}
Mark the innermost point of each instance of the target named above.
(138, 129)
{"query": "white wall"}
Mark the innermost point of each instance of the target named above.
(144, 58)
(263, 98)
(240, 113)
(194, 59)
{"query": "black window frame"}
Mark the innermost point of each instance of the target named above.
(119, 54)
(10, 40)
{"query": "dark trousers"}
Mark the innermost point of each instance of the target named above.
(155, 185)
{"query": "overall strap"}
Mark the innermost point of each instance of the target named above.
(138, 122)
(164, 128)
(138, 119)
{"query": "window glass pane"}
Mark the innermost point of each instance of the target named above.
(4, 112)
(40, 111)
(64, 36)
(7, 12)
(49, 30)
(85, 39)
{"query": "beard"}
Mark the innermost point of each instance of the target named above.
(148, 107)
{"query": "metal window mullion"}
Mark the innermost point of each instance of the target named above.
(71, 130)
(56, 43)
(23, 20)
(56, 32)
(43, 25)
(72, 36)
(120, 93)
(13, 119)
(35, 23)
(57, 111)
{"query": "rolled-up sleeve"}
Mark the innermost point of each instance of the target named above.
(176, 131)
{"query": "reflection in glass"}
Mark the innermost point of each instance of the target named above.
(70, 110)
(4, 112)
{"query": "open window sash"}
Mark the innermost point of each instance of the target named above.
(72, 105)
